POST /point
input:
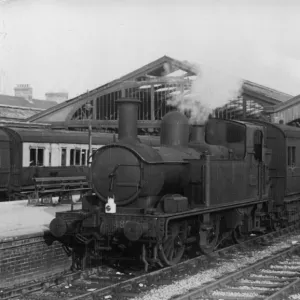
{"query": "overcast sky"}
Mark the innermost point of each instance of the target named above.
(76, 45)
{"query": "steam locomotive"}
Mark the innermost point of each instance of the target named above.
(203, 185)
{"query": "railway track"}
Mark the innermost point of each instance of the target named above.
(67, 284)
(271, 279)
(99, 283)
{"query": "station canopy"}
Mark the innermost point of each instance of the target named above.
(156, 84)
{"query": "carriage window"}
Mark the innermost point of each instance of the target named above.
(36, 156)
(64, 157)
(40, 157)
(32, 157)
(72, 156)
(291, 156)
(50, 157)
(83, 157)
(77, 157)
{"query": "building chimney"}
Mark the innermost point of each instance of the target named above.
(57, 97)
(128, 115)
(24, 91)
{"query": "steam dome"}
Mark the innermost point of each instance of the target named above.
(174, 129)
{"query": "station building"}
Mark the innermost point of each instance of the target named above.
(22, 105)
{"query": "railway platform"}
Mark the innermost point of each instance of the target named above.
(18, 219)
(27, 249)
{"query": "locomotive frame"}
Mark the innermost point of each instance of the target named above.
(186, 194)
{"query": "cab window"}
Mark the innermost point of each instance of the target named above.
(227, 134)
(257, 145)
(291, 156)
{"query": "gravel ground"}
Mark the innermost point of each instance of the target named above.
(241, 260)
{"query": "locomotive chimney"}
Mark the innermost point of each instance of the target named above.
(128, 115)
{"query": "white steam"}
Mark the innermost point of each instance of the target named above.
(210, 90)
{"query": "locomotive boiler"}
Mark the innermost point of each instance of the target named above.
(135, 171)
(192, 192)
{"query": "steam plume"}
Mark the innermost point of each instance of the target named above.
(210, 89)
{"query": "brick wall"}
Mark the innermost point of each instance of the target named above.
(30, 257)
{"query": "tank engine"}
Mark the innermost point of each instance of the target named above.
(156, 203)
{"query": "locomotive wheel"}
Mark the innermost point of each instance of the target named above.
(209, 238)
(237, 235)
(172, 248)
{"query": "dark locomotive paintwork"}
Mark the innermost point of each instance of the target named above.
(174, 130)
(142, 170)
(196, 141)
(16, 178)
(284, 176)
(243, 166)
(218, 183)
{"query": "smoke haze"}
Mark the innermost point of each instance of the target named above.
(211, 89)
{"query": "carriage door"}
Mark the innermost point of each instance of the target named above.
(16, 151)
(258, 156)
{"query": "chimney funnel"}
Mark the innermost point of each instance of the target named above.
(128, 115)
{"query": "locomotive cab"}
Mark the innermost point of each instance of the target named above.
(247, 162)
(240, 138)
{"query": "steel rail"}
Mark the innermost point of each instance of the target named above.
(206, 291)
(165, 276)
